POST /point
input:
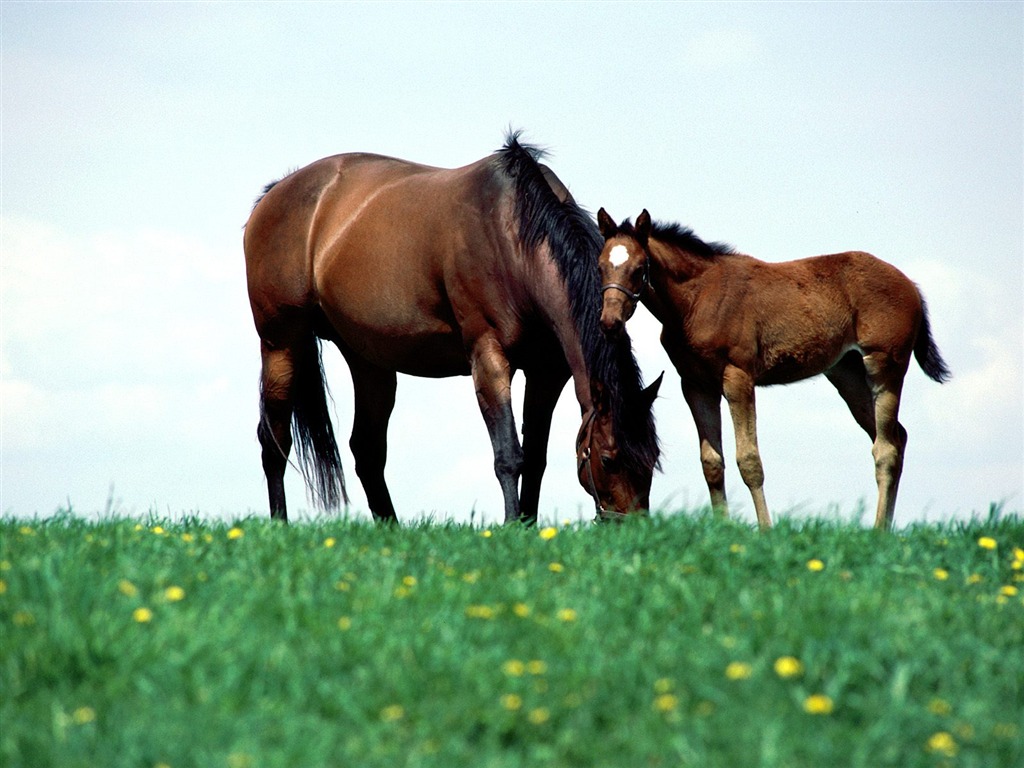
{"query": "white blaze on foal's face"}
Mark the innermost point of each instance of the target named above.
(618, 255)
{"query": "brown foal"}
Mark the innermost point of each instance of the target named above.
(731, 322)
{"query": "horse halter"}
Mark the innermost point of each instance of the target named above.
(643, 283)
(602, 514)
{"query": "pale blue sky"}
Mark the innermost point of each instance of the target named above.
(135, 137)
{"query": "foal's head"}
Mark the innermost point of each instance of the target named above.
(625, 269)
(618, 486)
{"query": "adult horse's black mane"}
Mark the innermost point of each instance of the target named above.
(575, 242)
(682, 238)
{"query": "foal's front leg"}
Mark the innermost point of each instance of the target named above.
(707, 417)
(738, 388)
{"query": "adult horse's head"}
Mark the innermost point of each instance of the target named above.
(625, 268)
(618, 480)
(616, 448)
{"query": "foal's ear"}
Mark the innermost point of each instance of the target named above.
(606, 223)
(643, 227)
(651, 393)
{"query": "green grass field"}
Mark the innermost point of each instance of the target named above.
(680, 640)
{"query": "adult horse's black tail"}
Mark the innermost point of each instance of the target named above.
(926, 351)
(315, 446)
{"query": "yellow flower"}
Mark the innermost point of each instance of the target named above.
(513, 668)
(788, 666)
(486, 534)
(666, 702)
(409, 581)
(548, 533)
(987, 542)
(738, 670)
(126, 588)
(522, 610)
(392, 713)
(236, 533)
(939, 707)
(330, 541)
(23, 619)
(566, 614)
(815, 565)
(511, 702)
(142, 615)
(471, 577)
(174, 594)
(737, 548)
(26, 531)
(536, 667)
(943, 743)
(1008, 590)
(83, 715)
(539, 716)
(974, 578)
(345, 623)
(3, 587)
(188, 538)
(158, 530)
(556, 567)
(818, 704)
(480, 612)
(941, 574)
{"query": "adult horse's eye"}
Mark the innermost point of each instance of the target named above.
(609, 463)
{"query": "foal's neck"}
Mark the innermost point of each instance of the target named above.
(675, 263)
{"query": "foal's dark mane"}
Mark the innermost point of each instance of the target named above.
(575, 242)
(681, 237)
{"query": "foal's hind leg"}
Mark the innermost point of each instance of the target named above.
(886, 377)
(738, 388)
(707, 417)
(374, 390)
(275, 431)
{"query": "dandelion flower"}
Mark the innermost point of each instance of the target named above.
(409, 581)
(83, 715)
(943, 743)
(737, 549)
(566, 614)
(142, 615)
(814, 564)
(556, 567)
(330, 541)
(987, 542)
(818, 704)
(513, 668)
(3, 587)
(345, 623)
(126, 588)
(788, 666)
(487, 534)
(392, 713)
(480, 612)
(939, 707)
(666, 702)
(1008, 590)
(539, 716)
(188, 538)
(236, 533)
(536, 667)
(974, 578)
(548, 533)
(738, 670)
(522, 610)
(174, 594)
(941, 574)
(158, 530)
(511, 702)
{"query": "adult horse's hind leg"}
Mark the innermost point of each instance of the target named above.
(374, 390)
(886, 377)
(274, 431)
(707, 417)
(738, 388)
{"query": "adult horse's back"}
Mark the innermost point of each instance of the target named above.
(479, 270)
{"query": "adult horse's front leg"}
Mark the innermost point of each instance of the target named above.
(492, 377)
(543, 386)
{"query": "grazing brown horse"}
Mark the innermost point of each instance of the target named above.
(731, 322)
(479, 271)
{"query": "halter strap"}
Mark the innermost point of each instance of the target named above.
(643, 284)
(601, 513)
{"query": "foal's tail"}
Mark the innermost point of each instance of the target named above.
(315, 445)
(927, 353)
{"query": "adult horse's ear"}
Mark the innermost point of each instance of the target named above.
(643, 227)
(651, 392)
(606, 223)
